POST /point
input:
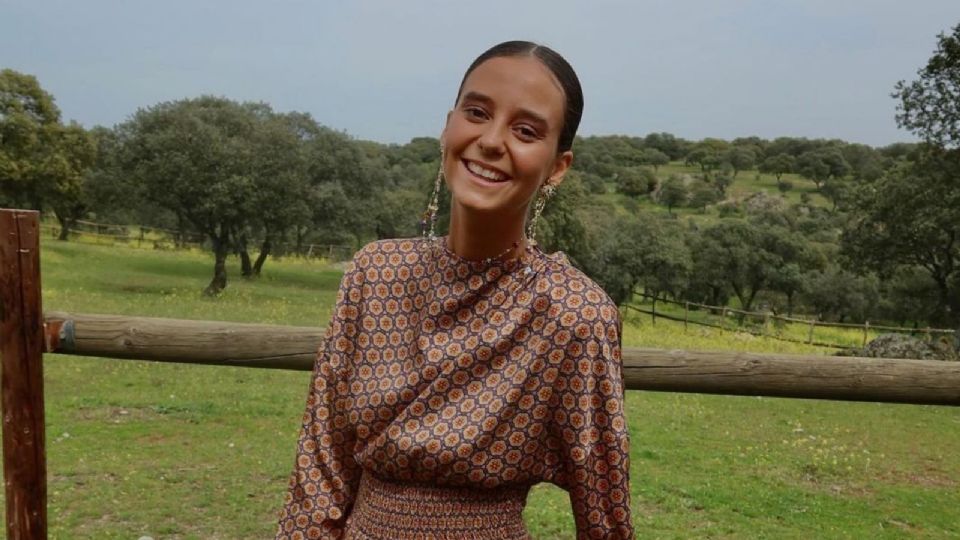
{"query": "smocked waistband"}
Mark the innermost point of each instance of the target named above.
(388, 509)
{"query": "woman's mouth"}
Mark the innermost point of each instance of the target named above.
(483, 174)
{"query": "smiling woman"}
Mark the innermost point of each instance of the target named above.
(500, 147)
(459, 371)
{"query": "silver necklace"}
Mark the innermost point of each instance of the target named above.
(485, 260)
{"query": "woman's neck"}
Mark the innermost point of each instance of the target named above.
(475, 236)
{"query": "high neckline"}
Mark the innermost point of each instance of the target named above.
(528, 255)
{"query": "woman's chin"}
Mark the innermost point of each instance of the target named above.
(481, 205)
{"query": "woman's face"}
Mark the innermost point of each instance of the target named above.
(500, 140)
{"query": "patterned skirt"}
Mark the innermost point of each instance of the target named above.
(387, 509)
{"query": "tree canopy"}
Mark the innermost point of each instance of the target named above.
(43, 163)
(221, 165)
(930, 106)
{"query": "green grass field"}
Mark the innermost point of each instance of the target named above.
(175, 451)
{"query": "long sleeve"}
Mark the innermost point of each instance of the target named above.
(325, 478)
(593, 433)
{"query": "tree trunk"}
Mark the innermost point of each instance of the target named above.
(714, 297)
(943, 308)
(753, 295)
(301, 234)
(65, 226)
(262, 257)
(246, 269)
(221, 248)
(744, 301)
(178, 237)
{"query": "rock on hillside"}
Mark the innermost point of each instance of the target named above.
(761, 202)
(904, 346)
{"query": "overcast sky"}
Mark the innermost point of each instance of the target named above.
(389, 70)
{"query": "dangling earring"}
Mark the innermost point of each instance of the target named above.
(545, 193)
(429, 218)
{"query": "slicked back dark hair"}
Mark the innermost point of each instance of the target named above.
(562, 71)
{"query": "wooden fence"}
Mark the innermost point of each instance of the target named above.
(765, 318)
(142, 236)
(25, 334)
(733, 373)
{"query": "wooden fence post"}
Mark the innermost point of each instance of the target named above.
(723, 319)
(21, 392)
(813, 322)
(686, 314)
(866, 330)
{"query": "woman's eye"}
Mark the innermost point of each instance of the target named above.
(527, 132)
(475, 112)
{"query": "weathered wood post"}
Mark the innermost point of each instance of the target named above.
(686, 314)
(866, 330)
(21, 389)
(813, 323)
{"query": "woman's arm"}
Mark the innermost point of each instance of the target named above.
(594, 437)
(324, 482)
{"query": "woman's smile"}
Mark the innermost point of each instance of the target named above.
(485, 174)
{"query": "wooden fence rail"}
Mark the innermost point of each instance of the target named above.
(748, 374)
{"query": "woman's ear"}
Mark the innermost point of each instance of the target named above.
(443, 132)
(560, 167)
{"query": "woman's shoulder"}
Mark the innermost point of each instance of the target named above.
(378, 251)
(389, 245)
(564, 282)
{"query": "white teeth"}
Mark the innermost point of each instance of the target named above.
(488, 174)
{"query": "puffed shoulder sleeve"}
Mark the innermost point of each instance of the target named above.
(326, 476)
(592, 428)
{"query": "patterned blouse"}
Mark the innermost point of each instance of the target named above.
(461, 373)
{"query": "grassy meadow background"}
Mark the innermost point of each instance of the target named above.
(175, 451)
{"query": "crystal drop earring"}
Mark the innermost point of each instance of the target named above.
(429, 219)
(545, 193)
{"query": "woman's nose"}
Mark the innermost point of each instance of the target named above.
(491, 141)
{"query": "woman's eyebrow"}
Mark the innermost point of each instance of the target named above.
(477, 96)
(487, 100)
